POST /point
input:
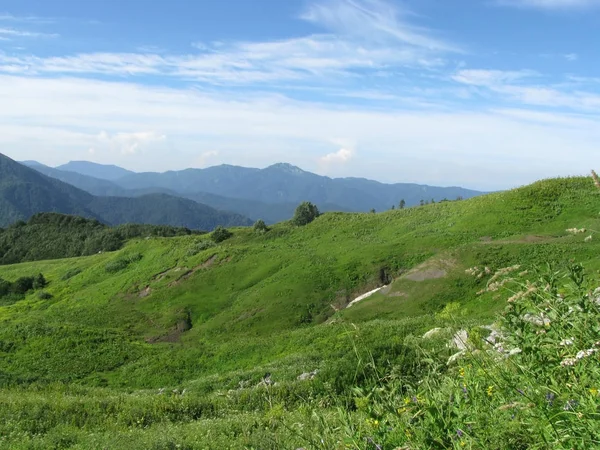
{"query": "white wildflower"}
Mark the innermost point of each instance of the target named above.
(588, 239)
(575, 230)
(515, 351)
(540, 321)
(566, 342)
(585, 353)
(568, 362)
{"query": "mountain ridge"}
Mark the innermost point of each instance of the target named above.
(25, 191)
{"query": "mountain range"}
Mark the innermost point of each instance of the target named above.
(25, 192)
(270, 194)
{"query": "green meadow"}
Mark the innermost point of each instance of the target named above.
(182, 343)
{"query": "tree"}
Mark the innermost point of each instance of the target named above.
(23, 285)
(393, 207)
(220, 234)
(432, 201)
(373, 211)
(39, 282)
(402, 204)
(260, 226)
(422, 202)
(305, 213)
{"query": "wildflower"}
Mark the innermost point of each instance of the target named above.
(463, 444)
(585, 353)
(550, 398)
(490, 391)
(515, 351)
(568, 362)
(588, 239)
(575, 230)
(566, 342)
(594, 391)
(461, 372)
(571, 405)
(540, 320)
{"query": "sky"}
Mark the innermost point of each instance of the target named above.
(486, 94)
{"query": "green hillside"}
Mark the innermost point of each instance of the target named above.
(102, 359)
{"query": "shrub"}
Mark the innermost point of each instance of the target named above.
(200, 247)
(305, 213)
(39, 282)
(260, 226)
(70, 274)
(23, 285)
(220, 234)
(116, 266)
(43, 295)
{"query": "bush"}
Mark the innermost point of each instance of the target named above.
(43, 295)
(116, 266)
(39, 282)
(220, 234)
(70, 274)
(200, 247)
(260, 226)
(305, 213)
(23, 285)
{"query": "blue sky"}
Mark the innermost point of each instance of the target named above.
(486, 94)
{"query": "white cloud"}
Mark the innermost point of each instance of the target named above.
(359, 36)
(343, 155)
(9, 33)
(126, 143)
(551, 4)
(427, 146)
(478, 77)
(207, 158)
(571, 56)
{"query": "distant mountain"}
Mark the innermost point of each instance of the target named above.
(104, 172)
(284, 183)
(25, 192)
(269, 212)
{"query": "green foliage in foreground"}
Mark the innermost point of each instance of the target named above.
(236, 345)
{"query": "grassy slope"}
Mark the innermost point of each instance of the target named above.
(254, 301)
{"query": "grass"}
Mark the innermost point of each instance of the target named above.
(83, 369)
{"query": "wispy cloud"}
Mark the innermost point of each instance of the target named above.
(260, 131)
(519, 86)
(9, 33)
(5, 17)
(551, 4)
(479, 77)
(360, 37)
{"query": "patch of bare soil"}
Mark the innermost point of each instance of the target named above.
(431, 270)
(205, 265)
(145, 292)
(174, 334)
(398, 294)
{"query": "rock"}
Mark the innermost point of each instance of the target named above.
(455, 357)
(308, 376)
(461, 340)
(431, 333)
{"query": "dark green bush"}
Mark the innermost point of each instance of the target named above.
(305, 213)
(70, 274)
(43, 295)
(260, 226)
(220, 234)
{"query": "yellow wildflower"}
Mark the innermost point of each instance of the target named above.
(461, 372)
(490, 391)
(594, 391)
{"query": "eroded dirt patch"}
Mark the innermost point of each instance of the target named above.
(431, 270)
(145, 292)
